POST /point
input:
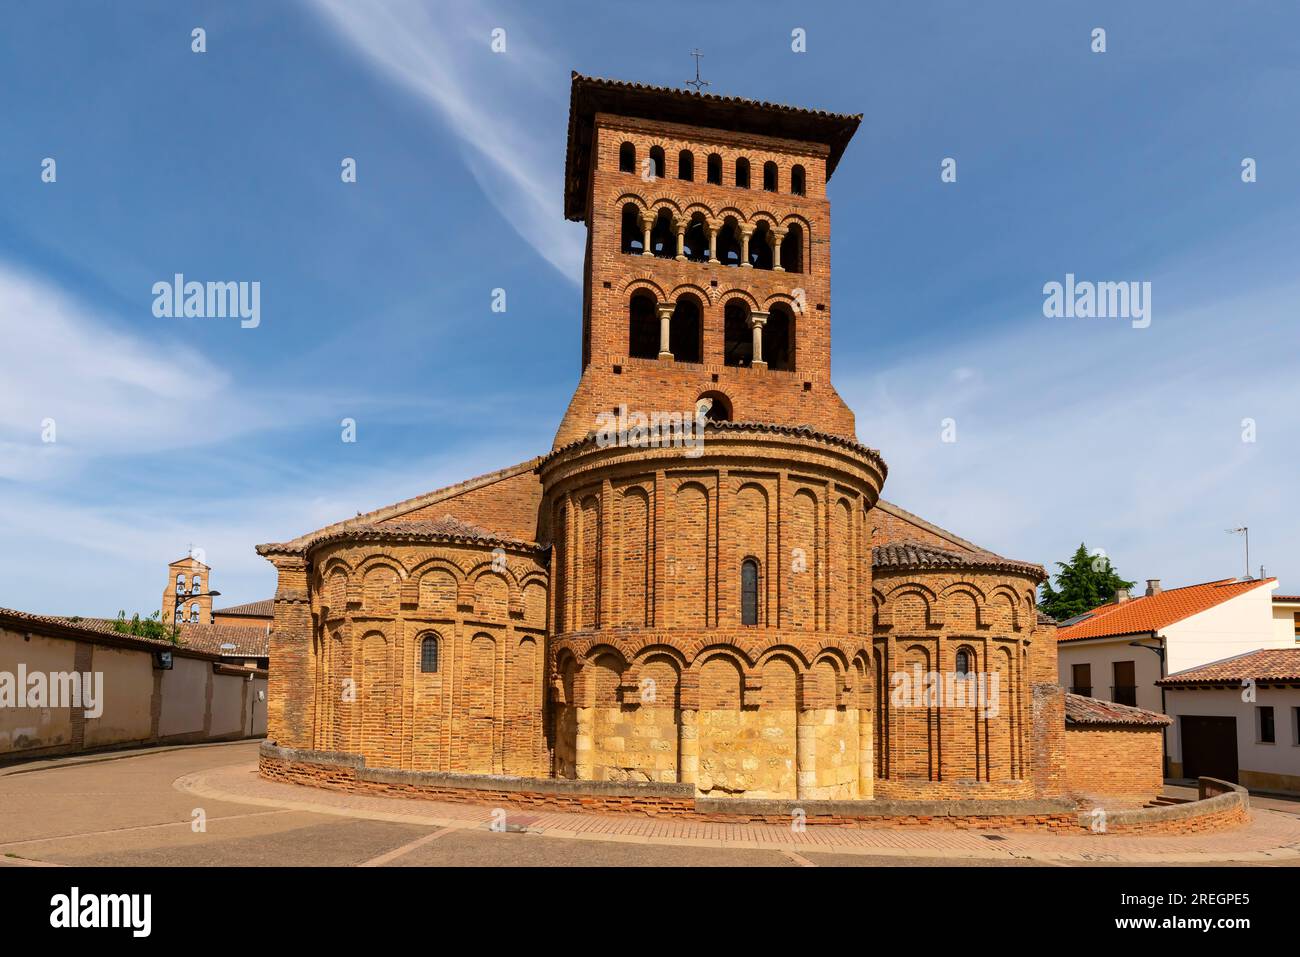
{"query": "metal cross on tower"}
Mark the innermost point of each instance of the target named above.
(697, 82)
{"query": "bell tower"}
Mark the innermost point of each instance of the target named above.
(707, 269)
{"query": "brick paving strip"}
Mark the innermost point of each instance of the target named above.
(1271, 836)
(397, 852)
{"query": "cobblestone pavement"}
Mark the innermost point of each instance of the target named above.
(144, 808)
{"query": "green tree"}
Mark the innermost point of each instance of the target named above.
(151, 627)
(1083, 583)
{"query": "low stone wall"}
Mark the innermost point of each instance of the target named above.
(1222, 805)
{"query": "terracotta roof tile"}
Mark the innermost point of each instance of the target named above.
(1151, 613)
(1266, 664)
(914, 554)
(247, 642)
(253, 609)
(1081, 710)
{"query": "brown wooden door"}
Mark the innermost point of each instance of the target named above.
(1124, 690)
(1209, 747)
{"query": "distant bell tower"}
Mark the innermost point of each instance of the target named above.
(707, 272)
(188, 578)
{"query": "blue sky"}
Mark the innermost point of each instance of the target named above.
(1115, 166)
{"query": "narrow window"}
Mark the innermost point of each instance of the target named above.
(180, 584)
(194, 611)
(963, 663)
(769, 176)
(792, 249)
(657, 161)
(778, 339)
(643, 327)
(686, 165)
(742, 173)
(714, 169)
(196, 585)
(749, 592)
(760, 248)
(695, 244)
(684, 332)
(663, 241)
(627, 158)
(1124, 691)
(180, 614)
(729, 248)
(1081, 680)
(633, 238)
(738, 344)
(1266, 735)
(798, 181)
(429, 655)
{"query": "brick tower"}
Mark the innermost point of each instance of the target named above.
(708, 255)
(185, 577)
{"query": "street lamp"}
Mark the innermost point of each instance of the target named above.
(181, 598)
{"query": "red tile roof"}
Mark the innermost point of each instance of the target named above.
(253, 609)
(915, 554)
(1287, 598)
(1081, 710)
(1151, 613)
(1267, 664)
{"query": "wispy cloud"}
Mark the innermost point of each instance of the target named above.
(441, 54)
(1088, 429)
(105, 391)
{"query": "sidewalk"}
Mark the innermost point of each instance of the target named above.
(1272, 836)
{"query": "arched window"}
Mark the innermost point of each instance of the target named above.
(718, 407)
(738, 339)
(798, 181)
(196, 584)
(742, 173)
(643, 327)
(627, 158)
(685, 331)
(657, 161)
(194, 611)
(778, 339)
(632, 235)
(695, 244)
(792, 249)
(663, 241)
(760, 248)
(728, 244)
(769, 176)
(714, 169)
(180, 614)
(749, 592)
(180, 584)
(686, 165)
(429, 655)
(963, 664)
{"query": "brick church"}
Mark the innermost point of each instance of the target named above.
(737, 612)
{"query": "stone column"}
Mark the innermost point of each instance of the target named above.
(806, 753)
(757, 320)
(688, 747)
(680, 227)
(745, 232)
(584, 747)
(714, 228)
(665, 322)
(647, 221)
(774, 237)
(866, 746)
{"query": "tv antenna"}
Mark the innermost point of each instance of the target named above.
(1244, 530)
(697, 82)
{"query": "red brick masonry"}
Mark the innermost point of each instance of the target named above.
(1221, 806)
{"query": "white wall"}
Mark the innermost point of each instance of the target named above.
(1284, 621)
(1283, 757)
(1236, 626)
(1101, 655)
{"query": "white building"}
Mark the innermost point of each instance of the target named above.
(1238, 719)
(1122, 650)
